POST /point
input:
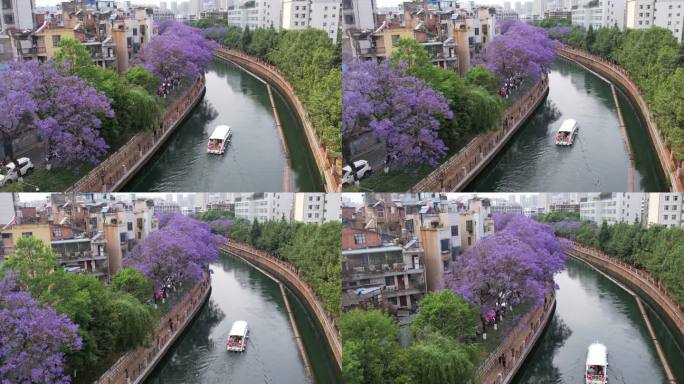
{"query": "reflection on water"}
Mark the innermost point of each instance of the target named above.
(597, 162)
(254, 160)
(240, 292)
(592, 308)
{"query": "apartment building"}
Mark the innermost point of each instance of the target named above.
(264, 206)
(256, 14)
(378, 274)
(615, 207)
(359, 14)
(665, 209)
(317, 207)
(668, 14)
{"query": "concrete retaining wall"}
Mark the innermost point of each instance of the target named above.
(461, 168)
(635, 277)
(288, 274)
(326, 167)
(619, 76)
(136, 365)
(113, 173)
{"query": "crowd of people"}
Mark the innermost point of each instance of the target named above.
(167, 86)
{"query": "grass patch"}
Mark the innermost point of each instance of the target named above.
(496, 337)
(57, 179)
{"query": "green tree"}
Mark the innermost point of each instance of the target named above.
(371, 345)
(447, 313)
(143, 78)
(246, 39)
(590, 38)
(31, 261)
(133, 322)
(482, 77)
(133, 282)
(255, 232)
(607, 42)
(439, 359)
(603, 236)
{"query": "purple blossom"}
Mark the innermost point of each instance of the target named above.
(567, 228)
(66, 110)
(33, 338)
(515, 264)
(402, 110)
(180, 249)
(559, 32)
(216, 32)
(178, 51)
(522, 50)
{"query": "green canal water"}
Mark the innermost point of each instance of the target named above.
(241, 292)
(254, 161)
(592, 308)
(598, 161)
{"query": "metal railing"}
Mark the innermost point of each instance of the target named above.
(459, 169)
(327, 166)
(112, 172)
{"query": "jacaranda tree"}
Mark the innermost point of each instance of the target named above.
(401, 109)
(178, 51)
(63, 108)
(522, 50)
(179, 250)
(514, 265)
(33, 338)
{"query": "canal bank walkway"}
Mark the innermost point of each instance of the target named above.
(461, 168)
(501, 365)
(646, 283)
(134, 366)
(113, 173)
(290, 275)
(327, 167)
(618, 75)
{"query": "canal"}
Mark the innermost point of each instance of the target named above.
(255, 159)
(241, 292)
(598, 161)
(590, 308)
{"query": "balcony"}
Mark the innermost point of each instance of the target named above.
(81, 256)
(32, 51)
(381, 270)
(372, 51)
(394, 291)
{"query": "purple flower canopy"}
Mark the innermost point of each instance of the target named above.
(178, 51)
(180, 249)
(63, 108)
(383, 100)
(515, 264)
(522, 50)
(33, 338)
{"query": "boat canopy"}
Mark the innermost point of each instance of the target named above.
(568, 125)
(220, 133)
(597, 355)
(239, 328)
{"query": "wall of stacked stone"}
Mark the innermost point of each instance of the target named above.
(291, 276)
(501, 366)
(618, 75)
(461, 168)
(636, 277)
(113, 173)
(134, 366)
(328, 168)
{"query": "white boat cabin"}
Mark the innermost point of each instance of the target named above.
(237, 338)
(596, 371)
(567, 132)
(219, 139)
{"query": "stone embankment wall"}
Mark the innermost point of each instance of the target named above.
(289, 274)
(464, 166)
(134, 366)
(635, 277)
(619, 76)
(502, 365)
(113, 173)
(326, 167)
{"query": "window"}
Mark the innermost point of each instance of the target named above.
(26, 234)
(135, 31)
(9, 19)
(389, 280)
(444, 245)
(667, 198)
(477, 31)
(359, 238)
(6, 4)
(664, 217)
(55, 40)
(454, 230)
(57, 232)
(130, 225)
(674, 217)
(395, 38)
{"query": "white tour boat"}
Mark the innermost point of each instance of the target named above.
(237, 338)
(567, 132)
(219, 140)
(596, 371)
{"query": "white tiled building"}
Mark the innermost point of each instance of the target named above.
(668, 14)
(264, 206)
(317, 207)
(615, 207)
(665, 209)
(359, 14)
(256, 14)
